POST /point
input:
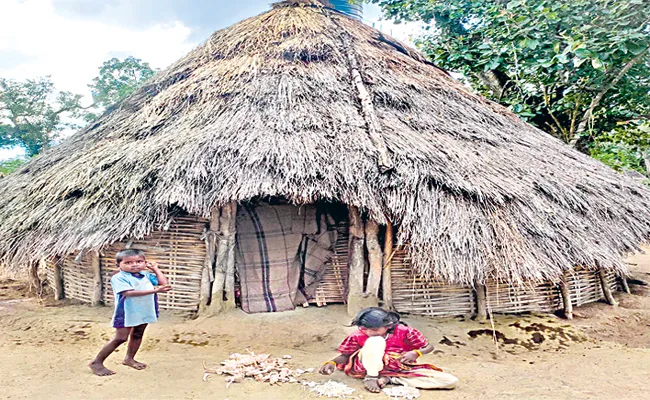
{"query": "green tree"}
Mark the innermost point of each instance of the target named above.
(32, 113)
(576, 69)
(9, 166)
(116, 80)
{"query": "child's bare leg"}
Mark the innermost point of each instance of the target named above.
(372, 359)
(97, 364)
(134, 344)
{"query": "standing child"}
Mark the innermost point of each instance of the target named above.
(384, 350)
(136, 305)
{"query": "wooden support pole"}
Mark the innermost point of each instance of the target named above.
(35, 283)
(207, 273)
(368, 111)
(225, 257)
(96, 267)
(481, 301)
(356, 262)
(375, 260)
(58, 279)
(607, 291)
(229, 286)
(387, 284)
(624, 284)
(566, 299)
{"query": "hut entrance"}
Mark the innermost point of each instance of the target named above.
(287, 256)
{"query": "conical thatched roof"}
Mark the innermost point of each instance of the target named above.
(271, 107)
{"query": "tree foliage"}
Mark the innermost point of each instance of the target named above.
(32, 113)
(117, 79)
(9, 166)
(577, 69)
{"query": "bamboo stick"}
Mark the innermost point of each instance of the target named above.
(374, 258)
(368, 111)
(606, 289)
(96, 267)
(207, 273)
(481, 302)
(387, 287)
(356, 262)
(58, 279)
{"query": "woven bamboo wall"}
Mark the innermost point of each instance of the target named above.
(49, 272)
(77, 278)
(584, 285)
(504, 298)
(414, 295)
(180, 253)
(333, 286)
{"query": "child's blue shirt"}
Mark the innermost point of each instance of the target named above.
(136, 310)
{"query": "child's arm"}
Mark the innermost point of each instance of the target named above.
(162, 279)
(135, 293)
(420, 346)
(413, 355)
(329, 366)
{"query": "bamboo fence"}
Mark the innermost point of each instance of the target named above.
(415, 295)
(505, 298)
(334, 284)
(584, 285)
(179, 251)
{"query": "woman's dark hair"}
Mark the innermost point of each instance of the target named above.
(122, 254)
(376, 317)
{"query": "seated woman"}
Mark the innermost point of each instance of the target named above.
(385, 350)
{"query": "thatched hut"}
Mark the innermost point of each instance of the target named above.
(417, 191)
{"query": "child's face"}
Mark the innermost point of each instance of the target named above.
(133, 264)
(370, 332)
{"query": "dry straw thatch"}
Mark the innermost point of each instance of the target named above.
(272, 106)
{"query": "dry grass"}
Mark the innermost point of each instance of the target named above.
(268, 107)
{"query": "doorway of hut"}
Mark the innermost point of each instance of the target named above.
(287, 256)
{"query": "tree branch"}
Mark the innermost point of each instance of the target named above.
(596, 100)
(547, 100)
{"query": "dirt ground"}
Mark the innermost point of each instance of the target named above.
(603, 354)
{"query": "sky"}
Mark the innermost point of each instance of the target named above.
(69, 39)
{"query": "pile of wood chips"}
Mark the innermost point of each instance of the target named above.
(260, 367)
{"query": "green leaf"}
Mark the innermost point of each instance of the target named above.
(596, 63)
(577, 62)
(635, 49)
(532, 44)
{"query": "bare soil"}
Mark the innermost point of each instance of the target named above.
(602, 354)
